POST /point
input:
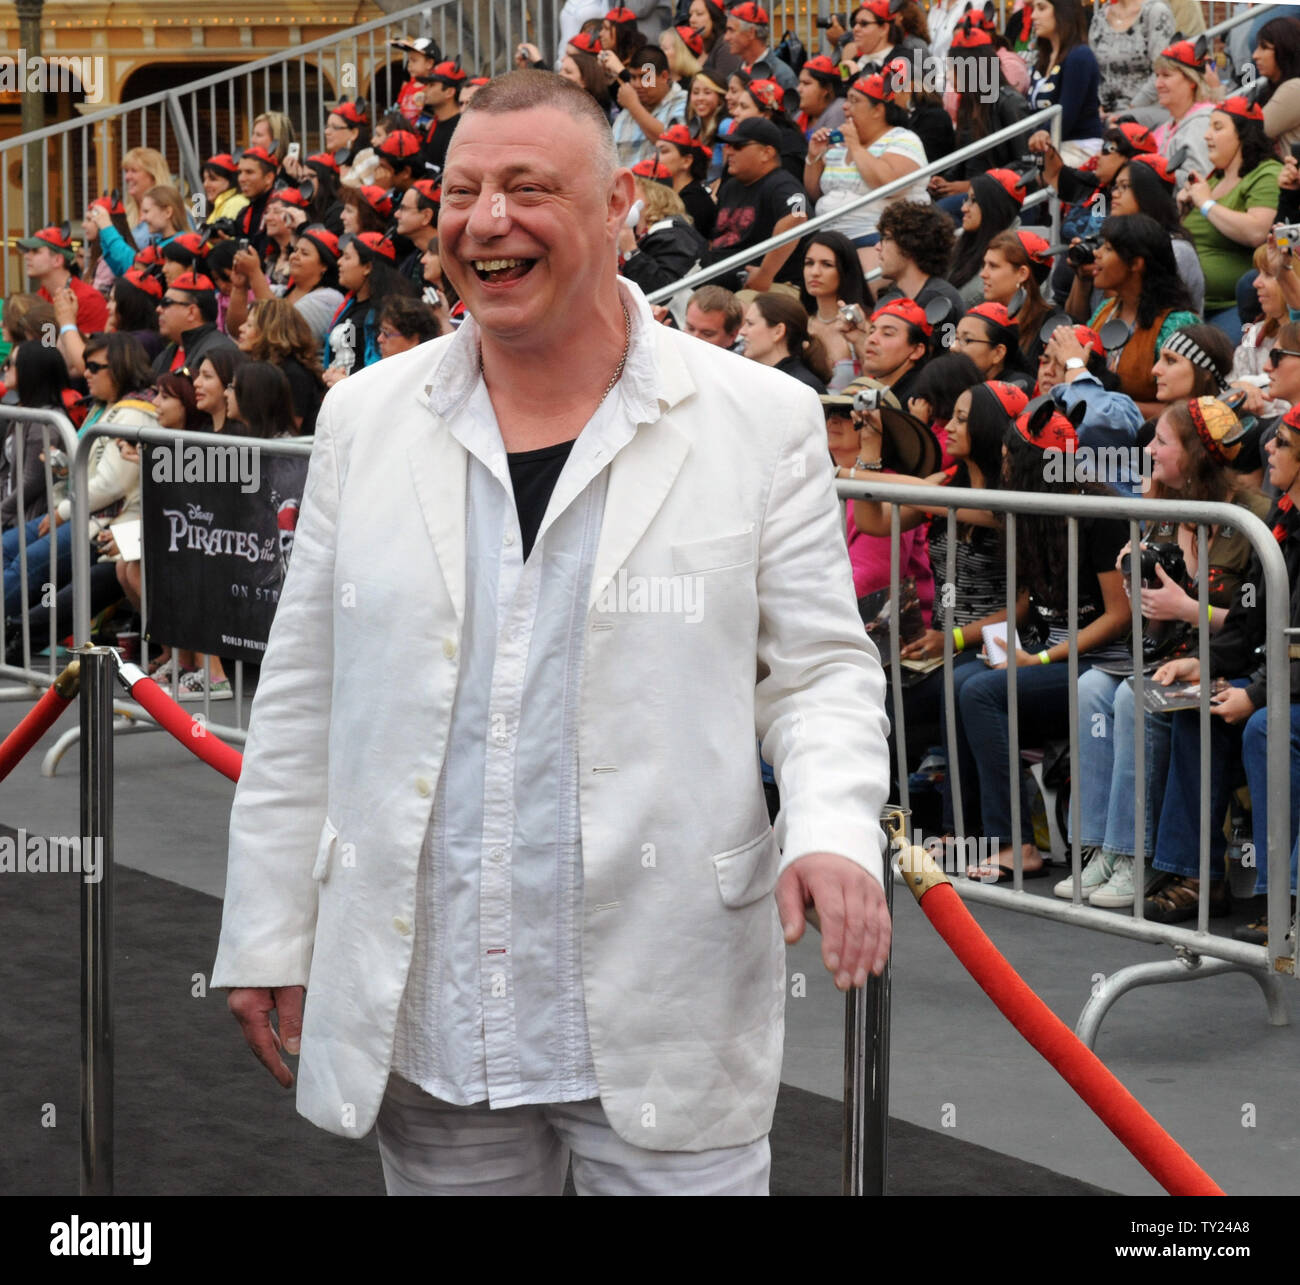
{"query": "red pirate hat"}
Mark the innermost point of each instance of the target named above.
(994, 312)
(262, 156)
(224, 162)
(692, 40)
(145, 281)
(584, 44)
(351, 112)
(193, 283)
(1013, 400)
(1010, 182)
(1160, 165)
(748, 12)
(908, 309)
(767, 94)
(377, 199)
(326, 243)
(1043, 426)
(1241, 108)
(875, 88)
(399, 146)
(652, 168)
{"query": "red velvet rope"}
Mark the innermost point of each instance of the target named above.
(39, 719)
(191, 733)
(1080, 1067)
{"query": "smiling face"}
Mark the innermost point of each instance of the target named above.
(254, 178)
(135, 181)
(1168, 458)
(1174, 375)
(1174, 91)
(1284, 373)
(1269, 294)
(1000, 278)
(1283, 452)
(821, 273)
(338, 133)
(527, 236)
(704, 100)
(1221, 140)
(154, 215)
(171, 410)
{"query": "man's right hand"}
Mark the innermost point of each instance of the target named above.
(252, 1007)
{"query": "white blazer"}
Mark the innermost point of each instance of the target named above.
(729, 481)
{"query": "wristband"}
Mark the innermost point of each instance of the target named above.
(959, 639)
(1209, 613)
(63, 330)
(1044, 658)
(1207, 207)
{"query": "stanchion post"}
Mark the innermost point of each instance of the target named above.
(866, 1082)
(97, 680)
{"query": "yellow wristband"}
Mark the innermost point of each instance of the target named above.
(959, 639)
(1044, 658)
(1209, 613)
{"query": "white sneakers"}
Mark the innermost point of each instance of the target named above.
(1117, 891)
(1096, 871)
(1107, 881)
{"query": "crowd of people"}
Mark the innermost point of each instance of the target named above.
(951, 342)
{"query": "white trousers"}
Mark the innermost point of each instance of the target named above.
(434, 1148)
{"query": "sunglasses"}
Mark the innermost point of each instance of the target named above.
(169, 302)
(94, 367)
(1275, 353)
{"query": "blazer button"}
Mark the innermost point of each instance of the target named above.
(449, 648)
(403, 926)
(422, 787)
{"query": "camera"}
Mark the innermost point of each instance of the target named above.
(242, 243)
(835, 136)
(1287, 236)
(852, 315)
(868, 399)
(825, 23)
(1085, 253)
(1168, 556)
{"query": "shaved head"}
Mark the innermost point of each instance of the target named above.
(518, 91)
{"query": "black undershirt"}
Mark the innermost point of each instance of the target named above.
(533, 474)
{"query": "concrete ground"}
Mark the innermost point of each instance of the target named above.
(1200, 1056)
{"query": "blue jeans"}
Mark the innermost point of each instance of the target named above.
(1254, 744)
(1091, 776)
(1229, 321)
(1043, 697)
(1178, 841)
(1121, 814)
(38, 564)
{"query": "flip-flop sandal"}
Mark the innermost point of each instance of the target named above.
(1006, 874)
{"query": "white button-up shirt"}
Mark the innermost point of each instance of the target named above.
(494, 1006)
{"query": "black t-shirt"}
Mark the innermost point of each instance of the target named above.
(307, 390)
(533, 474)
(698, 201)
(1100, 540)
(436, 140)
(795, 368)
(747, 215)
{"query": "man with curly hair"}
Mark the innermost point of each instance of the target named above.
(916, 244)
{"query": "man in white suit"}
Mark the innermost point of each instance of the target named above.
(500, 812)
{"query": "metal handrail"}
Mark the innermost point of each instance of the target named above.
(1048, 117)
(1251, 11)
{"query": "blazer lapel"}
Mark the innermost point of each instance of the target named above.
(438, 465)
(640, 476)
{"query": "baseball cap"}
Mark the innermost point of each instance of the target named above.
(753, 129)
(425, 45)
(51, 238)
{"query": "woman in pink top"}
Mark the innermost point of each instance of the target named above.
(869, 554)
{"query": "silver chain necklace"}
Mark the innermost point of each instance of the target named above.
(618, 370)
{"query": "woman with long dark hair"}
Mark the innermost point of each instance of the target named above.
(710, 20)
(1230, 211)
(991, 206)
(775, 331)
(832, 278)
(1277, 59)
(584, 71)
(259, 403)
(941, 382)
(1145, 186)
(277, 332)
(1135, 265)
(687, 161)
(1065, 72)
(1017, 261)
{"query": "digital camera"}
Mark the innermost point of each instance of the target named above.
(868, 399)
(852, 315)
(1287, 236)
(1168, 556)
(1085, 253)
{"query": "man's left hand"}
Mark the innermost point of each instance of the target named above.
(851, 906)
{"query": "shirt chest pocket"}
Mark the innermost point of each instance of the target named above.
(718, 553)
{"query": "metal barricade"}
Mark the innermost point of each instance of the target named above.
(130, 716)
(1049, 118)
(1198, 952)
(57, 431)
(80, 158)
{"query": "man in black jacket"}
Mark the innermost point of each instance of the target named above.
(187, 316)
